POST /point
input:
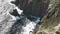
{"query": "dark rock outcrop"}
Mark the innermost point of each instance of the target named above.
(34, 8)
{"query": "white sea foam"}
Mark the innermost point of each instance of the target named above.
(28, 29)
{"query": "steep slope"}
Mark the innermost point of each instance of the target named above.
(51, 21)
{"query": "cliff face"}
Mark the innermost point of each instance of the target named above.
(49, 10)
(51, 21)
(33, 7)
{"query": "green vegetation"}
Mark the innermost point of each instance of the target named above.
(51, 20)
